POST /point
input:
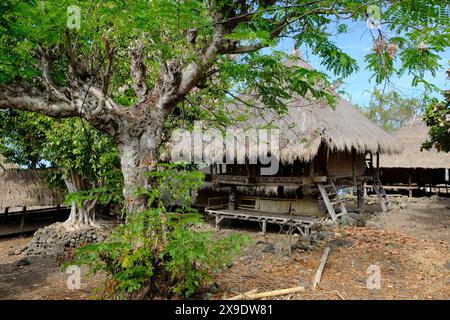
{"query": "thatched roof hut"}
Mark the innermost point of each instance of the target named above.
(412, 137)
(26, 188)
(320, 149)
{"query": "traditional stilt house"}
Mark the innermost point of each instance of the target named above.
(316, 150)
(415, 170)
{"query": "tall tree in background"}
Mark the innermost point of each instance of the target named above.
(125, 66)
(390, 110)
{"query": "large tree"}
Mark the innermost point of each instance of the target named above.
(132, 63)
(390, 110)
(81, 157)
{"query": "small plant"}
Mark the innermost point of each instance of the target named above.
(161, 253)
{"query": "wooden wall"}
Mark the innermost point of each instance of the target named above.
(339, 164)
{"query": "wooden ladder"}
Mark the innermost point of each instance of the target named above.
(331, 199)
(381, 194)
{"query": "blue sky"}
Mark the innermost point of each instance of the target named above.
(357, 43)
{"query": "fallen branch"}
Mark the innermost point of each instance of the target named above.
(318, 275)
(261, 295)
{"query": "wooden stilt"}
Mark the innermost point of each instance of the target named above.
(360, 197)
(409, 183)
(232, 198)
(22, 219)
(218, 219)
(264, 227)
(354, 168)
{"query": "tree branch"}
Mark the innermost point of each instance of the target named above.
(138, 70)
(36, 104)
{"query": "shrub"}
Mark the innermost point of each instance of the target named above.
(160, 253)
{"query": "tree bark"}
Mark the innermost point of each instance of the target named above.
(138, 152)
(80, 216)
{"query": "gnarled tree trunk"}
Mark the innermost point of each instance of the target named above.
(83, 215)
(138, 151)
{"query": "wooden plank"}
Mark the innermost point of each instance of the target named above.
(323, 261)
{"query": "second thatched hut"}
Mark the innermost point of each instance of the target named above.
(416, 170)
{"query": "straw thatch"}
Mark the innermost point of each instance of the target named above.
(310, 124)
(26, 188)
(413, 136)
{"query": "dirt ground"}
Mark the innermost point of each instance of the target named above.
(410, 245)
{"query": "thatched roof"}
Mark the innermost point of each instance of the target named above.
(412, 136)
(310, 123)
(26, 188)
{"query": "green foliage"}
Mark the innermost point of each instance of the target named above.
(68, 146)
(174, 185)
(437, 117)
(390, 110)
(415, 33)
(161, 250)
(22, 136)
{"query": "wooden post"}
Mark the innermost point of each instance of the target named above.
(280, 191)
(22, 219)
(354, 167)
(378, 165)
(409, 183)
(264, 227)
(360, 197)
(232, 198)
(311, 168)
(217, 221)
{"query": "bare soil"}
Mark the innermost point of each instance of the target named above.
(411, 246)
